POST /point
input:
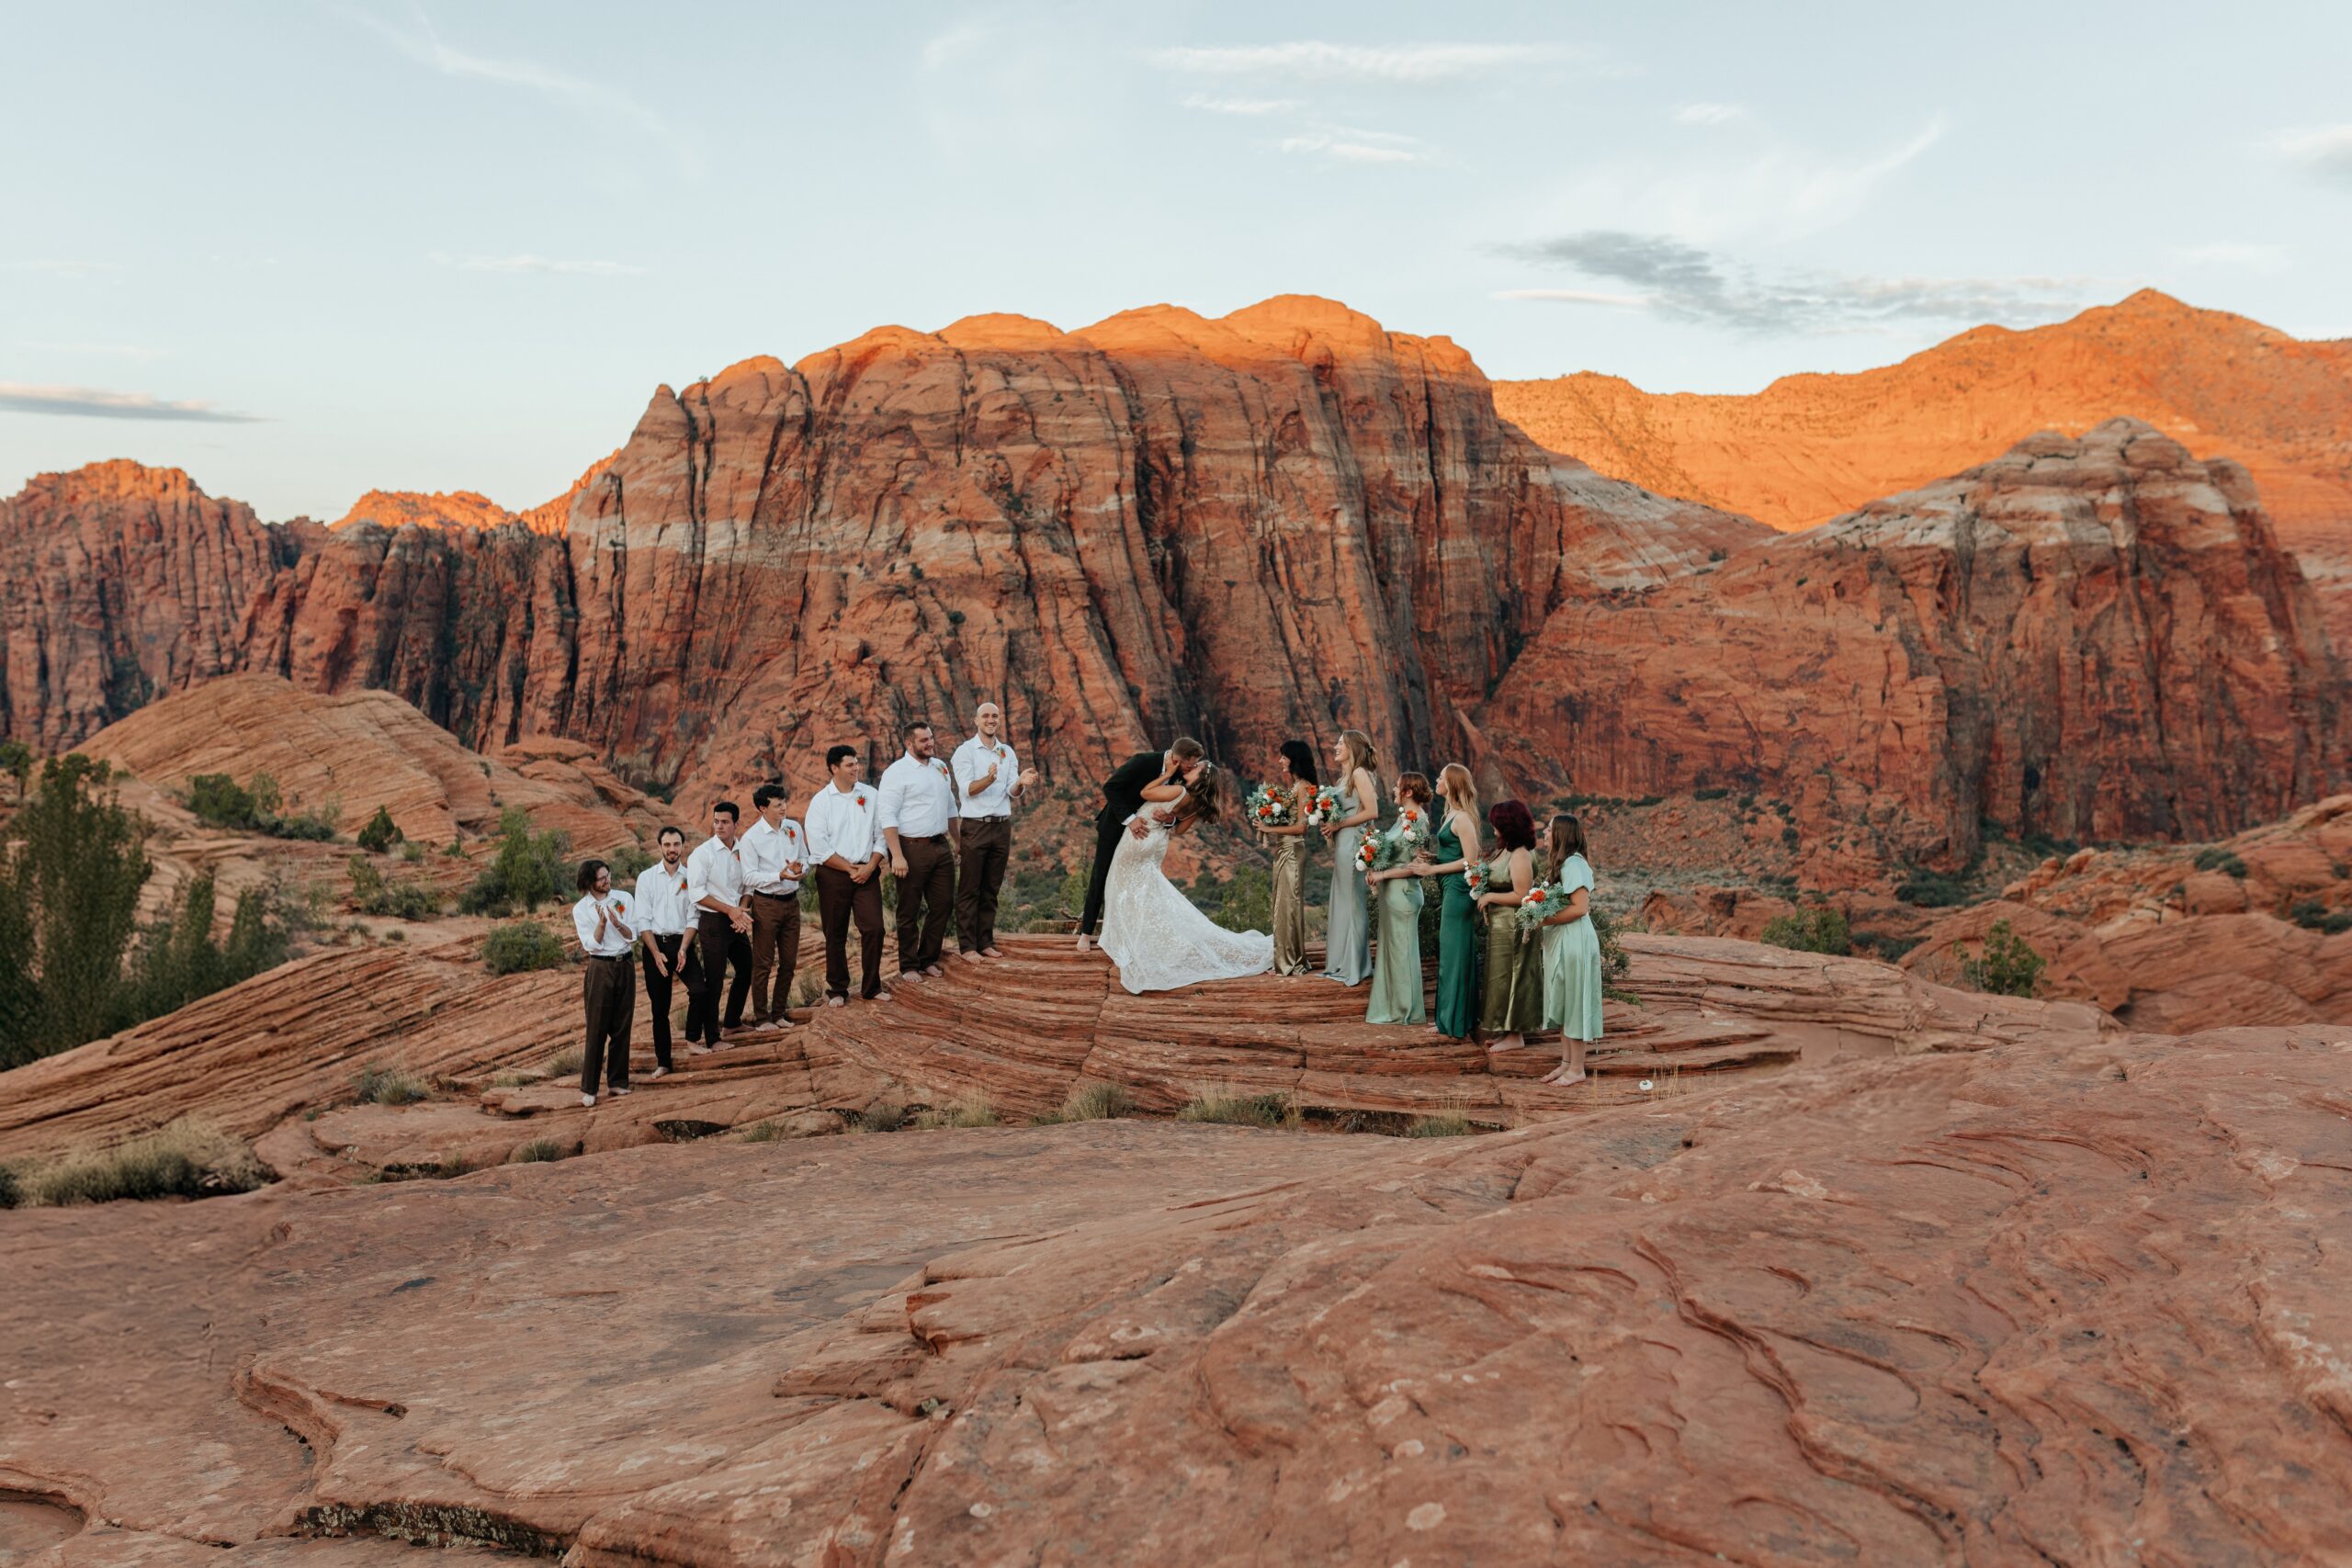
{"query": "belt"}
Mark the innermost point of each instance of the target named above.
(977, 817)
(758, 893)
(608, 958)
(931, 838)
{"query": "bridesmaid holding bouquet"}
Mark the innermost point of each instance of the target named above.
(1514, 999)
(1571, 951)
(1397, 889)
(1347, 935)
(1453, 850)
(1290, 861)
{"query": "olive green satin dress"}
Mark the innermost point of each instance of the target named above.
(1397, 996)
(1290, 905)
(1514, 993)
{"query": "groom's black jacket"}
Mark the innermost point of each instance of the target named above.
(1123, 791)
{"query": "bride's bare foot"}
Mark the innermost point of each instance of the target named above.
(1085, 942)
(1563, 1075)
(1508, 1042)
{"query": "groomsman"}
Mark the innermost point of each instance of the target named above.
(845, 847)
(989, 779)
(715, 887)
(917, 807)
(607, 988)
(775, 857)
(664, 919)
(1122, 798)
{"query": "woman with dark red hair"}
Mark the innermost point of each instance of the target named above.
(1514, 998)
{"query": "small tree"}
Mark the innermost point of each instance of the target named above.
(380, 833)
(1818, 930)
(73, 878)
(529, 871)
(2007, 968)
(521, 946)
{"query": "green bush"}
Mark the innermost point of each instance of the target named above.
(1932, 889)
(1614, 961)
(1444, 1124)
(2007, 968)
(1712, 792)
(2313, 915)
(626, 862)
(255, 806)
(373, 893)
(388, 1086)
(189, 1159)
(380, 833)
(2216, 858)
(530, 870)
(17, 760)
(1244, 902)
(520, 946)
(1818, 930)
(1886, 945)
(71, 870)
(179, 961)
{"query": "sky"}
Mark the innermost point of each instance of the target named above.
(307, 248)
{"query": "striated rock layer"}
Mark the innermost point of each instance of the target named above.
(2078, 1302)
(2086, 638)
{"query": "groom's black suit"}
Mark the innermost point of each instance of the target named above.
(1122, 798)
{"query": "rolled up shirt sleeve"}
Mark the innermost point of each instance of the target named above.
(698, 881)
(584, 920)
(892, 796)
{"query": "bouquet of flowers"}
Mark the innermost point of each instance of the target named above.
(1476, 876)
(1324, 807)
(1372, 854)
(1268, 806)
(1411, 832)
(1543, 901)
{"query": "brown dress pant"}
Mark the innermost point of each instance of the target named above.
(926, 897)
(988, 845)
(838, 898)
(775, 952)
(608, 995)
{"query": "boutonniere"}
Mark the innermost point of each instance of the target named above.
(861, 799)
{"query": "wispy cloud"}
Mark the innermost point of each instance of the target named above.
(1708, 114)
(1242, 106)
(1682, 282)
(539, 264)
(597, 100)
(1353, 146)
(94, 403)
(2326, 152)
(60, 267)
(1310, 60)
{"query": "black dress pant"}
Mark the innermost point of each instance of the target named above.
(721, 945)
(926, 897)
(1106, 845)
(676, 951)
(608, 997)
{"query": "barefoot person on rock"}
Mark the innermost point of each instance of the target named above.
(846, 849)
(916, 811)
(607, 984)
(989, 781)
(665, 941)
(716, 889)
(1146, 776)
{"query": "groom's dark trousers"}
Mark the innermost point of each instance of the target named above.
(1122, 798)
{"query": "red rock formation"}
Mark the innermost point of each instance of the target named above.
(2093, 639)
(439, 509)
(1808, 447)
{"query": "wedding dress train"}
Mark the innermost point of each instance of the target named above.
(1155, 935)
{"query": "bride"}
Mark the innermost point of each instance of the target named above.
(1152, 932)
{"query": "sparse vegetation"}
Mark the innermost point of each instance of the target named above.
(254, 806)
(1238, 1110)
(760, 1133)
(1887, 945)
(2313, 915)
(882, 1116)
(1711, 792)
(1096, 1102)
(380, 833)
(188, 1158)
(388, 1086)
(626, 862)
(1614, 961)
(2215, 858)
(373, 893)
(1932, 889)
(11, 1194)
(1817, 930)
(958, 1113)
(537, 1151)
(1243, 902)
(565, 1063)
(1444, 1124)
(520, 946)
(530, 870)
(2007, 968)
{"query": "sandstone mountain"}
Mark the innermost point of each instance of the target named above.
(1808, 447)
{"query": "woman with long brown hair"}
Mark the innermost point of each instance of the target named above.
(1514, 991)
(1347, 930)
(1571, 951)
(1397, 996)
(1290, 861)
(1454, 849)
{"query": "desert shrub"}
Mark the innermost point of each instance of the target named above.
(883, 1116)
(219, 802)
(380, 833)
(387, 1086)
(1817, 930)
(11, 1194)
(254, 806)
(2215, 858)
(2007, 968)
(565, 1063)
(760, 1133)
(1614, 961)
(179, 961)
(1237, 1110)
(373, 893)
(1444, 1124)
(1887, 945)
(16, 761)
(1711, 792)
(958, 1114)
(626, 862)
(188, 1158)
(70, 871)
(519, 946)
(2313, 915)
(1096, 1102)
(808, 988)
(537, 1151)
(1932, 889)
(530, 870)
(411, 853)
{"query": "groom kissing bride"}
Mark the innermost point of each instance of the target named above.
(1150, 929)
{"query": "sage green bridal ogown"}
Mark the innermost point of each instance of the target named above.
(1514, 999)
(1347, 930)
(1397, 964)
(1290, 905)
(1457, 941)
(1572, 966)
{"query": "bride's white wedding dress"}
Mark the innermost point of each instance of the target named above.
(1155, 935)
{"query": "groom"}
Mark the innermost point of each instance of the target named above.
(1122, 798)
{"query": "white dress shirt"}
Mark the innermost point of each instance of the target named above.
(917, 798)
(973, 760)
(662, 901)
(717, 872)
(584, 920)
(766, 851)
(842, 823)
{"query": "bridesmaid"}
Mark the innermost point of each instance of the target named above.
(1454, 849)
(1571, 951)
(1514, 992)
(1347, 934)
(1290, 861)
(1397, 964)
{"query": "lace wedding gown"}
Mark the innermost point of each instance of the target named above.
(1156, 936)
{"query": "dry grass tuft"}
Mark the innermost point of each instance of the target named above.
(1239, 1110)
(188, 1158)
(958, 1114)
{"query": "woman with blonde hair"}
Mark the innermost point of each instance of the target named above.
(1571, 951)
(1347, 931)
(1454, 849)
(1396, 995)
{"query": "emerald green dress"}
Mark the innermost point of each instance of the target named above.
(1397, 962)
(1457, 941)
(1572, 966)
(1514, 998)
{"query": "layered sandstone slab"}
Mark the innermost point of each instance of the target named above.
(2086, 638)
(2049, 1302)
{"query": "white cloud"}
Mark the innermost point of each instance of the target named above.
(1357, 146)
(594, 99)
(1313, 61)
(15, 397)
(1576, 296)
(539, 264)
(2326, 152)
(1242, 106)
(1708, 114)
